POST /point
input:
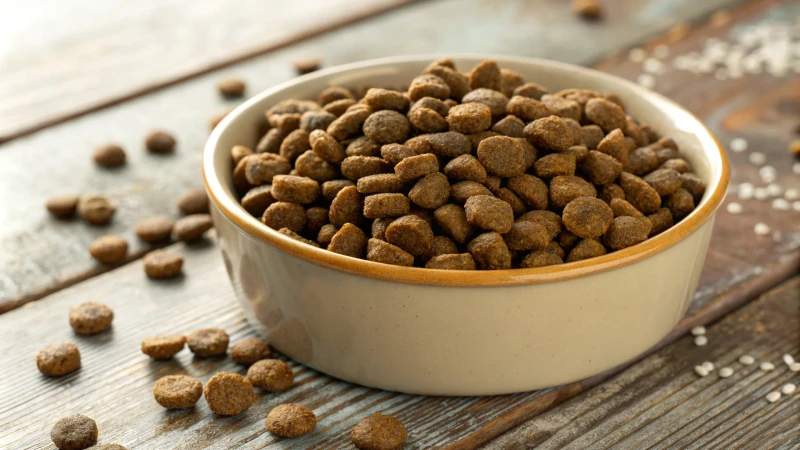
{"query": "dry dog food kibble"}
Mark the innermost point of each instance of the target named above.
(207, 342)
(76, 432)
(95, 209)
(159, 142)
(109, 155)
(163, 347)
(228, 394)
(58, 359)
(272, 375)
(379, 432)
(191, 227)
(109, 249)
(177, 391)
(193, 201)
(249, 350)
(62, 206)
(291, 420)
(154, 229)
(231, 87)
(478, 168)
(162, 264)
(90, 318)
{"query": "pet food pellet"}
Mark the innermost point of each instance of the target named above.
(228, 394)
(386, 253)
(250, 350)
(427, 120)
(58, 359)
(286, 215)
(643, 160)
(608, 192)
(700, 370)
(485, 75)
(304, 66)
(530, 190)
(386, 127)
(746, 360)
(517, 205)
(527, 109)
(614, 144)
(380, 184)
(311, 165)
(502, 156)
(109, 249)
(430, 192)
(326, 234)
(109, 155)
(664, 181)
(551, 133)
(326, 147)
(698, 330)
(465, 168)
(411, 233)
(357, 167)
(261, 168)
(540, 259)
(76, 432)
(788, 388)
(349, 123)
(449, 144)
(297, 237)
(694, 185)
(191, 227)
(555, 164)
(379, 432)
(510, 126)
(725, 372)
(526, 235)
(95, 209)
(62, 206)
(531, 90)
(272, 375)
(258, 199)
(380, 99)
(349, 241)
(550, 220)
(564, 189)
(456, 81)
(316, 218)
(155, 229)
(378, 206)
(460, 261)
(159, 142)
(623, 208)
(590, 217)
(700, 341)
(295, 189)
(626, 231)
(492, 182)
(470, 118)
(490, 251)
(496, 101)
(193, 201)
(162, 264)
(271, 141)
(587, 9)
(428, 85)
(414, 167)
(207, 342)
(557, 250)
(316, 120)
(291, 420)
(773, 396)
(330, 189)
(295, 144)
(677, 164)
(585, 249)
(453, 221)
(177, 391)
(606, 114)
(334, 93)
(231, 87)
(642, 196)
(601, 168)
(346, 207)
(90, 318)
(163, 347)
(761, 229)
(766, 366)
(442, 245)
(489, 213)
(566, 109)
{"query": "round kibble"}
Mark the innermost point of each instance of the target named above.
(271, 141)
(641, 161)
(357, 167)
(550, 220)
(207, 342)
(531, 90)
(463, 190)
(526, 235)
(555, 164)
(295, 189)
(109, 155)
(109, 249)
(191, 227)
(379, 99)
(428, 86)
(427, 120)
(177, 391)
(155, 229)
(470, 118)
(664, 181)
(453, 220)
(379, 184)
(386, 253)
(346, 207)
(411, 233)
(562, 107)
(448, 144)
(159, 142)
(517, 205)
(626, 231)
(601, 168)
(531, 190)
(90, 318)
(287, 215)
(587, 217)
(316, 120)
(623, 208)
(333, 94)
(415, 167)
(661, 220)
(510, 126)
(62, 206)
(551, 133)
(640, 194)
(231, 87)
(456, 81)
(291, 420)
(295, 144)
(465, 168)
(76, 432)
(95, 209)
(250, 350)
(527, 109)
(310, 165)
(461, 261)
(272, 375)
(378, 432)
(228, 393)
(394, 153)
(349, 240)
(386, 127)
(681, 203)
(585, 249)
(261, 168)
(511, 80)
(486, 75)
(496, 101)
(606, 114)
(163, 347)
(193, 201)
(489, 213)
(502, 155)
(430, 192)
(540, 259)
(490, 251)
(378, 206)
(326, 147)
(162, 264)
(58, 359)
(564, 189)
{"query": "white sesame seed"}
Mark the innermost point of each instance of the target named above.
(734, 208)
(781, 204)
(766, 365)
(792, 194)
(760, 193)
(761, 229)
(646, 80)
(700, 341)
(637, 55)
(708, 365)
(738, 145)
(773, 396)
(796, 168)
(700, 370)
(795, 367)
(698, 330)
(757, 158)
(746, 360)
(788, 359)
(725, 372)
(661, 51)
(788, 388)
(796, 205)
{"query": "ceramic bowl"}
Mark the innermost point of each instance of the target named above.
(437, 332)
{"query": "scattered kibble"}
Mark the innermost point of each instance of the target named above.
(154, 229)
(62, 206)
(746, 360)
(773, 396)
(379, 432)
(698, 330)
(159, 142)
(231, 87)
(76, 432)
(162, 264)
(193, 201)
(291, 420)
(249, 350)
(305, 66)
(766, 365)
(58, 359)
(109, 249)
(191, 227)
(95, 209)
(587, 9)
(734, 208)
(228, 394)
(788, 388)
(90, 318)
(761, 229)
(109, 155)
(163, 347)
(272, 375)
(700, 341)
(757, 158)
(725, 372)
(207, 342)
(177, 391)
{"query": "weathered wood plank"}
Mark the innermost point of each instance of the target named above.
(661, 403)
(111, 51)
(38, 166)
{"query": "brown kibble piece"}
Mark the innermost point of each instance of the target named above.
(550, 220)
(291, 420)
(490, 251)
(611, 191)
(349, 241)
(349, 123)
(286, 215)
(456, 81)
(614, 144)
(526, 235)
(261, 168)
(346, 207)
(496, 101)
(608, 115)
(577, 132)
(601, 168)
(316, 218)
(664, 181)
(511, 80)
(380, 99)
(258, 199)
(58, 359)
(357, 167)
(587, 9)
(326, 147)
(295, 144)
(486, 75)
(623, 208)
(193, 201)
(502, 156)
(428, 86)
(76, 432)
(304, 66)
(453, 220)
(566, 188)
(394, 153)
(163, 347)
(207, 342)
(460, 261)
(316, 120)
(379, 184)
(231, 87)
(339, 107)
(297, 237)
(527, 109)
(62, 206)
(162, 264)
(549, 132)
(492, 183)
(228, 394)
(378, 432)
(681, 203)
(331, 188)
(378, 206)
(585, 249)
(641, 161)
(465, 168)
(540, 258)
(272, 375)
(677, 164)
(295, 189)
(448, 144)
(109, 155)
(626, 231)
(592, 135)
(531, 90)
(661, 221)
(191, 227)
(386, 253)
(470, 118)
(109, 249)
(442, 245)
(517, 205)
(564, 108)
(271, 141)
(694, 185)
(427, 120)
(325, 235)
(387, 127)
(90, 318)
(95, 209)
(639, 194)
(489, 213)
(555, 164)
(431, 103)
(415, 167)
(177, 391)
(160, 142)
(510, 126)
(411, 233)
(250, 350)
(587, 217)
(334, 93)
(530, 189)
(154, 229)
(430, 192)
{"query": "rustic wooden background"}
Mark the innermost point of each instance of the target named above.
(96, 72)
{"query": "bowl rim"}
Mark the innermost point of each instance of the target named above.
(234, 212)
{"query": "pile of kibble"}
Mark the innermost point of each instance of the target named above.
(478, 170)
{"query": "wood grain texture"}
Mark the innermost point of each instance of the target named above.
(42, 255)
(108, 51)
(660, 403)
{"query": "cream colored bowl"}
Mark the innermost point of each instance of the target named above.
(440, 332)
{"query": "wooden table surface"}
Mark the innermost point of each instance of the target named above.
(112, 74)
